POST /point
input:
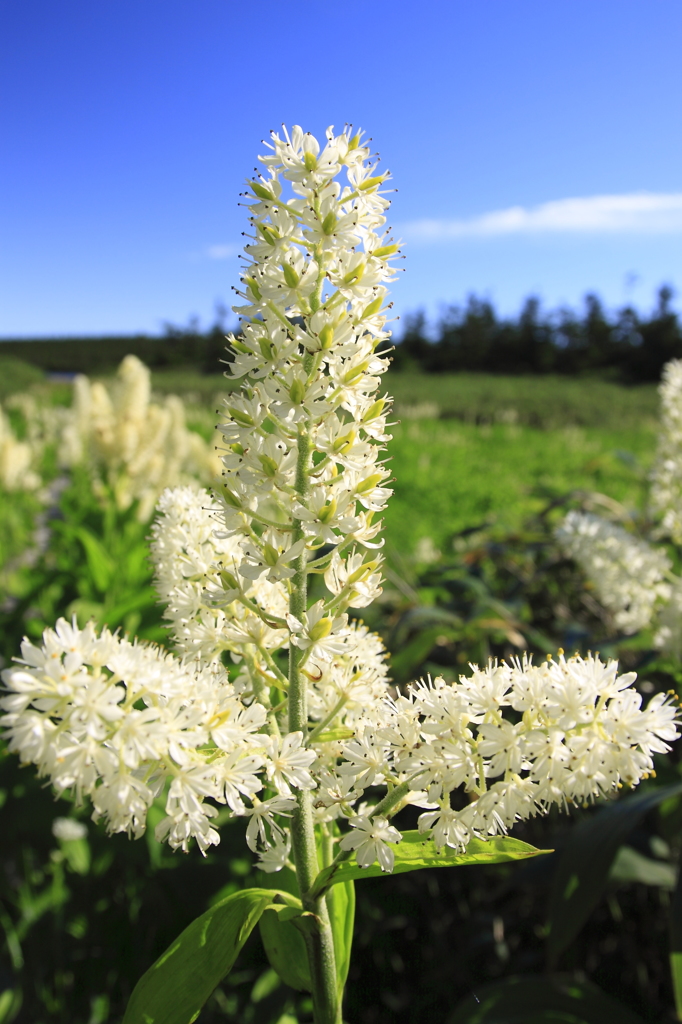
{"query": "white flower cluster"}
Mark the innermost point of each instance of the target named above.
(668, 623)
(118, 720)
(303, 480)
(627, 573)
(17, 460)
(579, 732)
(123, 722)
(137, 446)
(665, 498)
(314, 297)
(193, 561)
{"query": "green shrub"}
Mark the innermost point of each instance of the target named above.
(17, 375)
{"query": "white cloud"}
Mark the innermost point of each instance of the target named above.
(221, 252)
(636, 212)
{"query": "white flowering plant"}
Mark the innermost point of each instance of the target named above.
(275, 706)
(78, 543)
(632, 573)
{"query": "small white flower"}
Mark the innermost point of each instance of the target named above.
(275, 857)
(369, 841)
(289, 763)
(447, 828)
(262, 824)
(321, 635)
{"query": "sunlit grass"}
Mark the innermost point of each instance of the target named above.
(450, 476)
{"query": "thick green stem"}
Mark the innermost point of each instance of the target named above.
(319, 942)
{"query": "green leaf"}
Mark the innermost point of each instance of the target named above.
(632, 866)
(283, 939)
(283, 942)
(341, 906)
(175, 988)
(405, 663)
(585, 861)
(265, 985)
(534, 999)
(102, 566)
(415, 852)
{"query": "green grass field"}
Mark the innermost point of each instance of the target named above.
(474, 448)
(450, 476)
(549, 401)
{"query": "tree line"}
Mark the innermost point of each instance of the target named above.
(625, 346)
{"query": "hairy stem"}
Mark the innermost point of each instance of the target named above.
(319, 942)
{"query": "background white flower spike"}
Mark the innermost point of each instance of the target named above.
(666, 476)
(627, 573)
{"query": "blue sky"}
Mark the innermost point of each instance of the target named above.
(128, 128)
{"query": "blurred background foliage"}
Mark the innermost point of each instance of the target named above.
(484, 466)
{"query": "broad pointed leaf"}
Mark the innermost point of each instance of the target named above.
(341, 906)
(416, 852)
(283, 941)
(585, 862)
(534, 999)
(100, 562)
(175, 988)
(632, 866)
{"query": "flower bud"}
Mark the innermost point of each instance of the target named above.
(290, 275)
(297, 391)
(326, 337)
(321, 629)
(329, 223)
(269, 465)
(242, 418)
(228, 580)
(369, 483)
(270, 554)
(371, 182)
